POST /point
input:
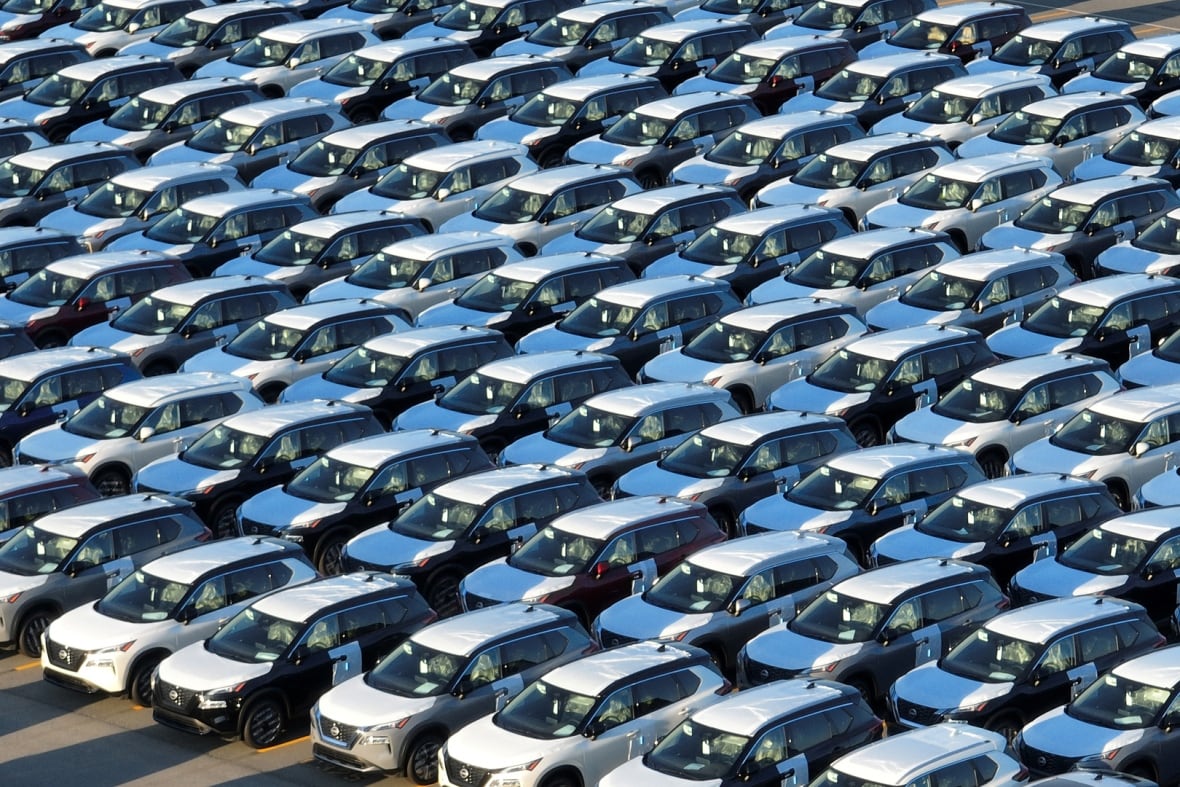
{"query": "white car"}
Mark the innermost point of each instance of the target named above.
(106, 27)
(1150, 150)
(1154, 250)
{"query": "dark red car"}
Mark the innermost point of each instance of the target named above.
(797, 69)
(29, 492)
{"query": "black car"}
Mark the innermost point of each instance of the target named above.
(789, 66)
(28, 492)
(299, 642)
(487, 24)
(26, 250)
(588, 32)
(23, 65)
(967, 30)
(1061, 48)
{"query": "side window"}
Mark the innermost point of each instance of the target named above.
(573, 387)
(357, 622)
(46, 393)
(793, 577)
(521, 654)
(656, 540)
(807, 733)
(1096, 643)
(323, 635)
(940, 605)
(210, 596)
(655, 693)
(1027, 522)
(1073, 389)
(98, 549)
(1024, 283)
(1132, 632)
(616, 709)
(770, 750)
(929, 481)
(1059, 656)
(579, 286)
(139, 536)
(816, 332)
(907, 617)
(804, 448)
(655, 318)
(246, 583)
(200, 409)
(1166, 557)
(960, 774)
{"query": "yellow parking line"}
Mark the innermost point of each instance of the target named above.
(282, 745)
(27, 665)
(138, 707)
(1041, 16)
(1148, 29)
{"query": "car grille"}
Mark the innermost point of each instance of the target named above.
(168, 695)
(910, 713)
(64, 657)
(252, 528)
(337, 731)
(478, 602)
(1044, 763)
(757, 672)
(1020, 596)
(611, 639)
(463, 774)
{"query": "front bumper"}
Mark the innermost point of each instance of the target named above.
(176, 707)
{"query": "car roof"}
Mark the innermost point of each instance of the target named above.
(536, 268)
(30, 366)
(659, 199)
(893, 344)
(980, 85)
(197, 290)
(760, 220)
(547, 181)
(189, 565)
(1141, 404)
(215, 13)
(154, 177)
(480, 487)
(276, 417)
(92, 70)
(136, 4)
(524, 368)
(681, 29)
(899, 758)
(766, 316)
(152, 391)
(1012, 491)
(308, 315)
(889, 64)
(1155, 668)
(867, 243)
(885, 584)
(297, 32)
(1159, 46)
(641, 292)
(878, 460)
(778, 126)
(333, 224)
(18, 235)
(407, 343)
(47, 157)
(175, 92)
(775, 48)
(463, 634)
(85, 266)
(748, 555)
(262, 112)
(751, 428)
(865, 148)
(223, 203)
(636, 400)
(1089, 192)
(976, 168)
(77, 521)
(425, 247)
(750, 710)
(580, 88)
(388, 51)
(1064, 104)
(985, 265)
(964, 11)
(377, 450)
(673, 107)
(1106, 290)
(1168, 127)
(448, 157)
(357, 137)
(598, 671)
(1150, 524)
(592, 12)
(301, 602)
(1059, 29)
(1018, 373)
(1039, 622)
(489, 67)
(19, 477)
(603, 520)
(14, 49)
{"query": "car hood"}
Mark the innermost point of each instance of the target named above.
(106, 335)
(779, 289)
(181, 153)
(380, 546)
(802, 395)
(1101, 167)
(75, 222)
(1009, 235)
(984, 145)
(651, 479)
(706, 84)
(676, 367)
(215, 359)
(1015, 341)
(1148, 369)
(502, 582)
(318, 88)
(778, 513)
(199, 670)
(596, 151)
(276, 508)
(782, 647)
(356, 703)
(787, 193)
(98, 131)
(84, 628)
(224, 68)
(19, 313)
(1062, 734)
(508, 130)
(431, 30)
(637, 618)
(19, 109)
(54, 444)
(699, 170)
(805, 102)
(1051, 578)
(468, 222)
(413, 109)
(675, 265)
(176, 476)
(1087, 82)
(288, 180)
(1163, 490)
(550, 337)
(1041, 456)
(485, 745)
(249, 266)
(429, 415)
(906, 543)
(537, 448)
(137, 240)
(893, 214)
(316, 387)
(1126, 258)
(604, 66)
(339, 288)
(927, 426)
(933, 687)
(634, 772)
(11, 584)
(451, 313)
(895, 314)
(570, 242)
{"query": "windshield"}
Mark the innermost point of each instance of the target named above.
(827, 16)
(254, 636)
(1119, 703)
(261, 52)
(635, 128)
(832, 489)
(224, 448)
(366, 368)
(545, 711)
(559, 32)
(1064, 318)
(990, 657)
(1024, 51)
(543, 111)
(32, 551)
(385, 271)
(835, 617)
(112, 200)
(496, 293)
(1106, 552)
(184, 32)
(479, 394)
(612, 225)
(920, 34)
(702, 456)
(1094, 433)
(511, 205)
(356, 70)
(182, 226)
(941, 292)
(324, 159)
(58, 91)
(826, 171)
(450, 90)
(152, 316)
(935, 192)
(1169, 349)
(1162, 235)
(414, 670)
(963, 520)
(741, 69)
(741, 149)
(140, 114)
(1126, 67)
(433, 517)
(851, 372)
(600, 318)
(1026, 128)
(221, 136)
(265, 341)
(556, 553)
(329, 480)
(17, 180)
(406, 181)
(142, 597)
(850, 85)
(104, 18)
(644, 51)
(735, 6)
(292, 248)
(590, 427)
(106, 418)
(694, 751)
(977, 402)
(718, 246)
(27, 6)
(1144, 150)
(47, 288)
(469, 16)
(941, 107)
(380, 6)
(691, 589)
(725, 343)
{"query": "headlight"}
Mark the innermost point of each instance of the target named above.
(214, 699)
(504, 777)
(373, 736)
(106, 656)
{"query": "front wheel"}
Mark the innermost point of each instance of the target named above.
(223, 520)
(31, 630)
(867, 434)
(112, 482)
(725, 520)
(1007, 724)
(140, 685)
(422, 759)
(271, 393)
(443, 594)
(650, 179)
(994, 463)
(263, 723)
(330, 555)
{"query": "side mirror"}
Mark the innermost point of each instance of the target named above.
(264, 465)
(293, 63)
(213, 43)
(594, 729)
(600, 569)
(463, 687)
(1171, 721)
(482, 103)
(81, 304)
(762, 359)
(1091, 229)
(169, 126)
(978, 307)
(213, 243)
(1153, 568)
(859, 27)
(862, 185)
(739, 606)
(1140, 448)
(976, 204)
(133, 27)
(874, 508)
(747, 769)
(1060, 141)
(24, 410)
(745, 474)
(519, 410)
(369, 499)
(299, 654)
(251, 150)
(650, 240)
(634, 335)
(628, 445)
(442, 194)
(186, 615)
(1006, 540)
(500, 29)
(975, 119)
(302, 356)
(422, 284)
(144, 433)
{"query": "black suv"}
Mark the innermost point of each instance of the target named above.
(588, 32)
(488, 24)
(26, 250)
(23, 66)
(1060, 49)
(970, 30)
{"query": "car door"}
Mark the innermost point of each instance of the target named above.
(97, 566)
(42, 403)
(1155, 586)
(907, 639)
(315, 661)
(770, 761)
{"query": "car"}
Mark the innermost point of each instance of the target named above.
(486, 25)
(1124, 718)
(1003, 524)
(21, 21)
(207, 231)
(26, 250)
(1112, 318)
(23, 64)
(134, 200)
(767, 149)
(535, 208)
(518, 297)
(169, 603)
(354, 485)
(641, 228)
(41, 180)
(1149, 150)
(654, 137)
(751, 352)
(857, 175)
(110, 25)
(618, 430)
(870, 629)
(758, 738)
(1123, 440)
(76, 292)
(29, 493)
(732, 464)
(675, 51)
(464, 523)
(281, 56)
(1065, 129)
(18, 136)
(967, 197)
(1000, 409)
(635, 321)
(419, 272)
(861, 270)
(721, 596)
(370, 79)
(297, 342)
(472, 94)
(1023, 662)
(391, 373)
(213, 32)
(325, 248)
(950, 752)
(1060, 49)
(14, 340)
(773, 71)
(981, 291)
(585, 561)
(581, 34)
(464, 667)
(969, 30)
(762, 14)
(1155, 249)
(69, 557)
(1145, 69)
(860, 22)
(965, 107)
(1082, 220)
(1156, 367)
(87, 91)
(1159, 491)
(390, 18)
(438, 184)
(167, 115)
(302, 640)
(602, 701)
(506, 399)
(572, 110)
(875, 88)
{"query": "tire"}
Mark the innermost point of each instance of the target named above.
(960, 241)
(602, 485)
(743, 400)
(725, 520)
(157, 368)
(443, 593)
(867, 433)
(561, 780)
(272, 91)
(422, 759)
(51, 339)
(1007, 724)
(139, 686)
(223, 518)
(329, 556)
(550, 159)
(650, 179)
(493, 449)
(271, 392)
(527, 249)
(1118, 491)
(717, 655)
(362, 116)
(463, 134)
(5, 455)
(31, 629)
(111, 482)
(994, 463)
(263, 723)
(864, 685)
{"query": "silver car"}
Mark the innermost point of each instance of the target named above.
(110, 25)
